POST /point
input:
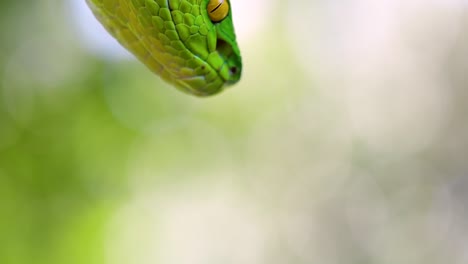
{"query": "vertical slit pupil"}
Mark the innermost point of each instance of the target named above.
(216, 8)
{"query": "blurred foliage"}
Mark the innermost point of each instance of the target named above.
(346, 141)
(61, 150)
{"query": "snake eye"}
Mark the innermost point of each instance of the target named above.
(218, 10)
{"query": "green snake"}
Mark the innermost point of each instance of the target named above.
(191, 44)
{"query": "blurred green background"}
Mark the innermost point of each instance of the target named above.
(345, 142)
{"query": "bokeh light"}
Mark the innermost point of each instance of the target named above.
(345, 141)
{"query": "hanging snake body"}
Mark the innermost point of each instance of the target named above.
(189, 43)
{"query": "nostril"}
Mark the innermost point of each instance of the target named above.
(233, 70)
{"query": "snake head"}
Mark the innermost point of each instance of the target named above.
(223, 58)
(188, 43)
(220, 14)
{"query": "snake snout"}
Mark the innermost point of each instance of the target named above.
(232, 68)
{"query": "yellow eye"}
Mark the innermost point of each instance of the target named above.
(218, 10)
